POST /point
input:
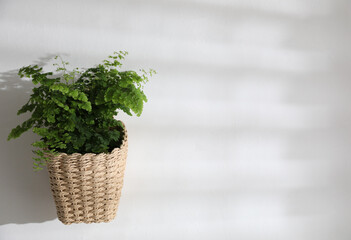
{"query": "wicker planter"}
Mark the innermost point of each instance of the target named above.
(86, 188)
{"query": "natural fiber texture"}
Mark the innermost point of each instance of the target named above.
(87, 188)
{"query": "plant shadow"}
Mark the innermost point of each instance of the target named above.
(25, 194)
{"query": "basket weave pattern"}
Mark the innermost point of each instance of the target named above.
(87, 188)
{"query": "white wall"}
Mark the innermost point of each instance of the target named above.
(246, 134)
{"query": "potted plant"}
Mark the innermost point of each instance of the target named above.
(81, 143)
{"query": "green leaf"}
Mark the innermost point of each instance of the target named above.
(20, 129)
(86, 106)
(109, 94)
(26, 108)
(60, 87)
(82, 97)
(74, 94)
(51, 118)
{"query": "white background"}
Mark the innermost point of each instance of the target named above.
(246, 134)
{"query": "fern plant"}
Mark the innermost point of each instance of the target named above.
(74, 111)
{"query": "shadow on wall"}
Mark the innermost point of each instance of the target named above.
(25, 194)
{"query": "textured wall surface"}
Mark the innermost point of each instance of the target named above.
(246, 134)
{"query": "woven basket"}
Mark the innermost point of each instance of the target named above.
(87, 188)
